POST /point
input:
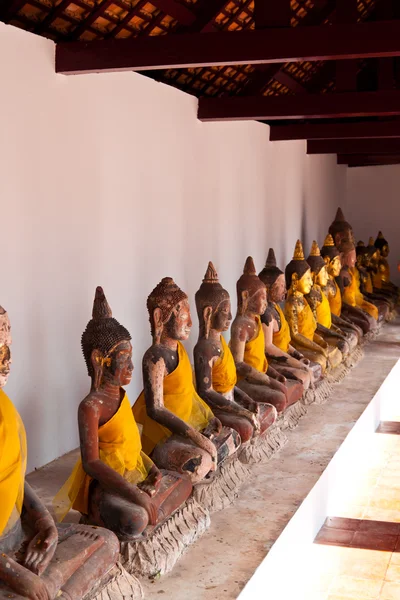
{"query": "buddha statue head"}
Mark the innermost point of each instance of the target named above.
(361, 254)
(298, 272)
(5, 343)
(331, 256)
(273, 278)
(382, 245)
(348, 255)
(169, 312)
(251, 292)
(317, 264)
(340, 229)
(106, 346)
(213, 304)
(373, 253)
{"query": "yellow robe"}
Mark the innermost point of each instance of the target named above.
(281, 339)
(354, 297)
(254, 352)
(224, 375)
(180, 398)
(120, 448)
(306, 322)
(12, 463)
(324, 316)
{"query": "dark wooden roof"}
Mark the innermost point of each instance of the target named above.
(92, 20)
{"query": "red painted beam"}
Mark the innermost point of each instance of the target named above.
(354, 160)
(306, 106)
(336, 131)
(375, 147)
(272, 45)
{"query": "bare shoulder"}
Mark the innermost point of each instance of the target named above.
(155, 354)
(91, 406)
(239, 328)
(206, 349)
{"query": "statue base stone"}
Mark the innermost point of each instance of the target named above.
(158, 552)
(220, 490)
(262, 447)
(118, 584)
(290, 417)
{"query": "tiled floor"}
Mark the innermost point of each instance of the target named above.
(356, 554)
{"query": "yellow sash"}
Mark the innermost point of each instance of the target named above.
(384, 271)
(120, 448)
(281, 339)
(324, 316)
(306, 322)
(12, 463)
(224, 375)
(370, 308)
(335, 302)
(368, 284)
(180, 398)
(254, 352)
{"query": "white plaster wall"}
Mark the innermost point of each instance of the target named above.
(111, 180)
(372, 204)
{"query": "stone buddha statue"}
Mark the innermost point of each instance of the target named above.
(215, 367)
(320, 306)
(280, 353)
(114, 484)
(382, 280)
(302, 323)
(347, 321)
(350, 285)
(39, 560)
(367, 267)
(179, 430)
(255, 376)
(340, 229)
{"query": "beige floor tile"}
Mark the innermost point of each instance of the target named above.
(390, 591)
(355, 586)
(393, 572)
(352, 512)
(364, 564)
(381, 514)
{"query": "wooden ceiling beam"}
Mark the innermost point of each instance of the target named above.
(176, 10)
(354, 160)
(270, 13)
(336, 131)
(204, 17)
(305, 106)
(272, 45)
(375, 147)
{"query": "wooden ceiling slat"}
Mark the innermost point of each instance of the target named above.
(336, 131)
(376, 147)
(346, 70)
(377, 39)
(306, 106)
(354, 160)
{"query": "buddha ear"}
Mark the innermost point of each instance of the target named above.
(207, 314)
(245, 301)
(295, 281)
(326, 260)
(158, 325)
(96, 359)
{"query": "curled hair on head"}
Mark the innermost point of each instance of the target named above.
(210, 293)
(297, 265)
(103, 332)
(165, 296)
(329, 249)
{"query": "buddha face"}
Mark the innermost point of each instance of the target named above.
(385, 251)
(258, 302)
(222, 317)
(305, 283)
(180, 323)
(322, 277)
(277, 291)
(335, 266)
(120, 370)
(349, 258)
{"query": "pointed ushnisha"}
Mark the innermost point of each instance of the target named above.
(315, 251)
(101, 308)
(298, 251)
(249, 281)
(339, 218)
(271, 259)
(329, 243)
(249, 268)
(270, 272)
(211, 275)
(211, 293)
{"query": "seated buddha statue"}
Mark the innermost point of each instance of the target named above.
(382, 280)
(39, 560)
(320, 306)
(350, 285)
(179, 430)
(114, 484)
(279, 351)
(347, 320)
(302, 323)
(255, 376)
(366, 265)
(215, 368)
